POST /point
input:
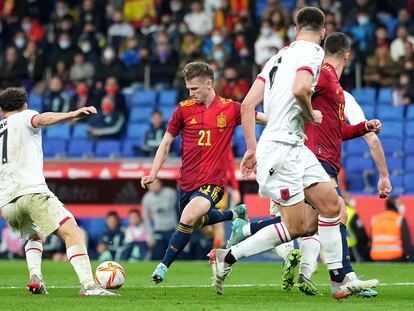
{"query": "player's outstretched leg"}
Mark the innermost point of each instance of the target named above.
(220, 269)
(34, 250)
(288, 275)
(310, 248)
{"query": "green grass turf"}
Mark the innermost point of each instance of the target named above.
(139, 294)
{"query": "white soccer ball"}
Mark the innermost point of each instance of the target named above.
(110, 275)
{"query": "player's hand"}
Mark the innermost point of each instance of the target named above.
(384, 187)
(146, 180)
(83, 112)
(248, 164)
(316, 117)
(373, 125)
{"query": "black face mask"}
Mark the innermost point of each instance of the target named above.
(232, 80)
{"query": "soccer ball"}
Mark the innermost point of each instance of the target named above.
(110, 275)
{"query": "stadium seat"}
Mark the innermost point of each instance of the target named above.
(364, 96)
(369, 111)
(130, 148)
(239, 146)
(140, 114)
(35, 101)
(409, 182)
(392, 146)
(144, 98)
(58, 131)
(390, 113)
(167, 98)
(94, 226)
(409, 146)
(137, 131)
(80, 131)
(397, 182)
(54, 148)
(128, 98)
(357, 147)
(409, 129)
(355, 182)
(355, 164)
(385, 96)
(176, 146)
(167, 112)
(107, 148)
(391, 129)
(410, 112)
(395, 165)
(409, 164)
(80, 148)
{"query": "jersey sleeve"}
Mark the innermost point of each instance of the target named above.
(28, 116)
(264, 74)
(237, 113)
(353, 111)
(176, 122)
(312, 61)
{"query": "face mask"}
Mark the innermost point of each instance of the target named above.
(216, 75)
(163, 55)
(232, 80)
(82, 91)
(176, 6)
(61, 12)
(86, 47)
(363, 20)
(109, 55)
(217, 39)
(26, 26)
(111, 90)
(218, 56)
(20, 42)
(291, 34)
(64, 44)
(266, 31)
(107, 108)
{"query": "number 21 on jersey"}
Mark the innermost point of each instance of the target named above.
(204, 138)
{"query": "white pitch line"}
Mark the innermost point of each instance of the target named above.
(200, 286)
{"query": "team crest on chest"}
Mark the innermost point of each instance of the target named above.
(221, 121)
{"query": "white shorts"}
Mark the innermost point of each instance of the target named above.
(284, 171)
(38, 213)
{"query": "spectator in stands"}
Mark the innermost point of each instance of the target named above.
(108, 123)
(63, 50)
(267, 45)
(197, 20)
(13, 69)
(131, 55)
(56, 100)
(62, 71)
(225, 13)
(110, 65)
(146, 32)
(138, 242)
(82, 97)
(163, 67)
(217, 37)
(381, 71)
(403, 94)
(232, 86)
(11, 243)
(135, 75)
(351, 11)
(404, 17)
(119, 30)
(278, 23)
(154, 135)
(219, 56)
(391, 240)
(397, 45)
(381, 36)
(177, 10)
(32, 28)
(81, 70)
(243, 61)
(362, 31)
(407, 60)
(36, 63)
(160, 215)
(112, 239)
(111, 89)
(89, 42)
(20, 41)
(91, 14)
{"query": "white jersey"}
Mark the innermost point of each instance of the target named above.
(21, 170)
(353, 111)
(285, 120)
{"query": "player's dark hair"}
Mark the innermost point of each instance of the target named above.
(112, 214)
(337, 43)
(310, 18)
(12, 98)
(197, 70)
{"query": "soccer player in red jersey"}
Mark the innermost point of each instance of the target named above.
(206, 122)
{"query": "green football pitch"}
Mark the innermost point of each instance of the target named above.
(251, 286)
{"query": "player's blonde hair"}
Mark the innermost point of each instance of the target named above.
(197, 70)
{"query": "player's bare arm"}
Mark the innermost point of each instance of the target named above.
(160, 157)
(377, 153)
(302, 90)
(50, 118)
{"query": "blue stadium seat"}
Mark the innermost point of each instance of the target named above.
(364, 96)
(355, 182)
(395, 165)
(392, 129)
(357, 147)
(176, 146)
(385, 96)
(240, 147)
(140, 114)
(369, 111)
(409, 164)
(80, 148)
(94, 226)
(409, 182)
(409, 146)
(80, 131)
(409, 129)
(137, 131)
(54, 148)
(397, 182)
(390, 113)
(410, 112)
(35, 101)
(167, 98)
(107, 148)
(167, 112)
(128, 98)
(58, 131)
(144, 98)
(392, 146)
(355, 164)
(130, 148)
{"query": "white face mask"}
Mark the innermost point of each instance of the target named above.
(64, 44)
(266, 31)
(363, 20)
(86, 47)
(20, 42)
(217, 39)
(109, 54)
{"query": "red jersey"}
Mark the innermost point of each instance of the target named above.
(325, 140)
(206, 135)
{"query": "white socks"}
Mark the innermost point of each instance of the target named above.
(34, 251)
(310, 248)
(283, 250)
(331, 242)
(78, 257)
(246, 230)
(263, 240)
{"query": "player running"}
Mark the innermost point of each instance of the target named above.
(206, 122)
(26, 202)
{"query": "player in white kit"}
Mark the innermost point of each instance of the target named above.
(26, 202)
(287, 171)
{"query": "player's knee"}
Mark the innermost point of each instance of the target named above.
(296, 229)
(330, 206)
